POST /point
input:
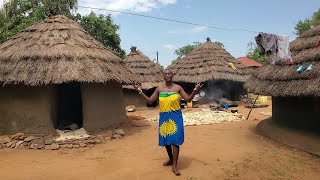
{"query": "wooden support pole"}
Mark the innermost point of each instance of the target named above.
(252, 107)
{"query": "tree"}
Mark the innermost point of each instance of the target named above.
(16, 15)
(307, 24)
(183, 51)
(254, 53)
(219, 44)
(104, 30)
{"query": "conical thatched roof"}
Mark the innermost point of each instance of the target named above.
(208, 62)
(58, 50)
(146, 71)
(284, 80)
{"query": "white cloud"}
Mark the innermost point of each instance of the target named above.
(124, 5)
(167, 1)
(1, 3)
(194, 30)
(170, 46)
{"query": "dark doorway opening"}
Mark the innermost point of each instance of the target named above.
(69, 106)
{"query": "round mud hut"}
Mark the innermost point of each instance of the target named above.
(54, 74)
(223, 76)
(148, 73)
(295, 94)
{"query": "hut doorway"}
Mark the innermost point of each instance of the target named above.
(69, 106)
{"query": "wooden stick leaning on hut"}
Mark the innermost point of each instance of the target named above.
(252, 106)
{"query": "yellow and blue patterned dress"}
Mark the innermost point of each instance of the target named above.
(171, 130)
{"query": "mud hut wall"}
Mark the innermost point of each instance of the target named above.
(26, 109)
(102, 105)
(297, 112)
(132, 97)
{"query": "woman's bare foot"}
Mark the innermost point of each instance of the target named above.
(176, 172)
(168, 163)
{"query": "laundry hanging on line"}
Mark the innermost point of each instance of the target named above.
(275, 47)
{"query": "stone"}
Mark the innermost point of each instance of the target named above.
(90, 141)
(70, 146)
(119, 132)
(19, 144)
(100, 136)
(64, 145)
(83, 138)
(33, 146)
(108, 138)
(4, 139)
(98, 141)
(90, 145)
(11, 144)
(48, 141)
(82, 144)
(41, 146)
(29, 138)
(74, 126)
(76, 146)
(2, 146)
(39, 143)
(53, 146)
(18, 136)
(116, 136)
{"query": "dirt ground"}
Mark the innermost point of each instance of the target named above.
(219, 151)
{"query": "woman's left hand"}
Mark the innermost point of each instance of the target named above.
(198, 87)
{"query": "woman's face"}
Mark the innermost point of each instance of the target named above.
(167, 75)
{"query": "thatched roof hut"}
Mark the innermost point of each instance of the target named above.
(284, 80)
(148, 73)
(296, 96)
(208, 62)
(54, 74)
(58, 50)
(211, 64)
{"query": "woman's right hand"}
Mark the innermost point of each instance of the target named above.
(136, 87)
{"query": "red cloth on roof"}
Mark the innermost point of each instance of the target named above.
(248, 62)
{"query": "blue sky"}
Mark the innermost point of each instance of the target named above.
(150, 35)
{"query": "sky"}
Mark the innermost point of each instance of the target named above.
(151, 35)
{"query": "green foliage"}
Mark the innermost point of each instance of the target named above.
(307, 24)
(16, 15)
(104, 30)
(183, 51)
(254, 53)
(219, 44)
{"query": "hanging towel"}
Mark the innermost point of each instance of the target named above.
(283, 52)
(275, 47)
(171, 130)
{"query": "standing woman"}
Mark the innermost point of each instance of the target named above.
(171, 129)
